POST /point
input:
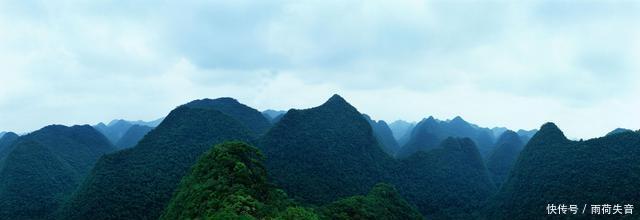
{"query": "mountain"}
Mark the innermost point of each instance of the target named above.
(133, 136)
(119, 127)
(324, 153)
(152, 124)
(554, 170)
(401, 131)
(504, 156)
(249, 117)
(228, 180)
(430, 132)
(5, 143)
(497, 131)
(43, 167)
(448, 182)
(619, 130)
(383, 202)
(138, 182)
(273, 115)
(525, 135)
(383, 135)
(114, 130)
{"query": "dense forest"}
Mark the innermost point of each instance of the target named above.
(554, 170)
(38, 170)
(233, 175)
(136, 183)
(116, 131)
(449, 182)
(326, 162)
(504, 156)
(321, 154)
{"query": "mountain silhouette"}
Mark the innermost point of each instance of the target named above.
(554, 170)
(137, 183)
(324, 153)
(504, 156)
(41, 168)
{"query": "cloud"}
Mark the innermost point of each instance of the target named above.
(85, 60)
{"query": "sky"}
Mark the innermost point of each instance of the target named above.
(517, 64)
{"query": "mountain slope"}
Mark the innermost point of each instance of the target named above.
(383, 202)
(114, 130)
(229, 179)
(43, 167)
(449, 182)
(429, 133)
(136, 183)
(504, 156)
(273, 116)
(133, 136)
(249, 117)
(230, 182)
(618, 130)
(32, 182)
(401, 131)
(525, 135)
(5, 143)
(383, 135)
(324, 153)
(554, 170)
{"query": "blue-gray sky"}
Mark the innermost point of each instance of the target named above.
(496, 63)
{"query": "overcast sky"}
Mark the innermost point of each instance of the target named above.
(501, 63)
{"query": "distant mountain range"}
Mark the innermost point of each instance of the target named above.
(221, 159)
(384, 135)
(553, 170)
(402, 131)
(430, 132)
(504, 155)
(119, 127)
(273, 115)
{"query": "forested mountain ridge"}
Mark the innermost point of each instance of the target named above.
(329, 161)
(618, 130)
(249, 117)
(554, 170)
(273, 115)
(136, 183)
(114, 130)
(384, 135)
(133, 136)
(324, 153)
(401, 131)
(448, 182)
(230, 182)
(504, 156)
(5, 143)
(41, 168)
(430, 132)
(382, 202)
